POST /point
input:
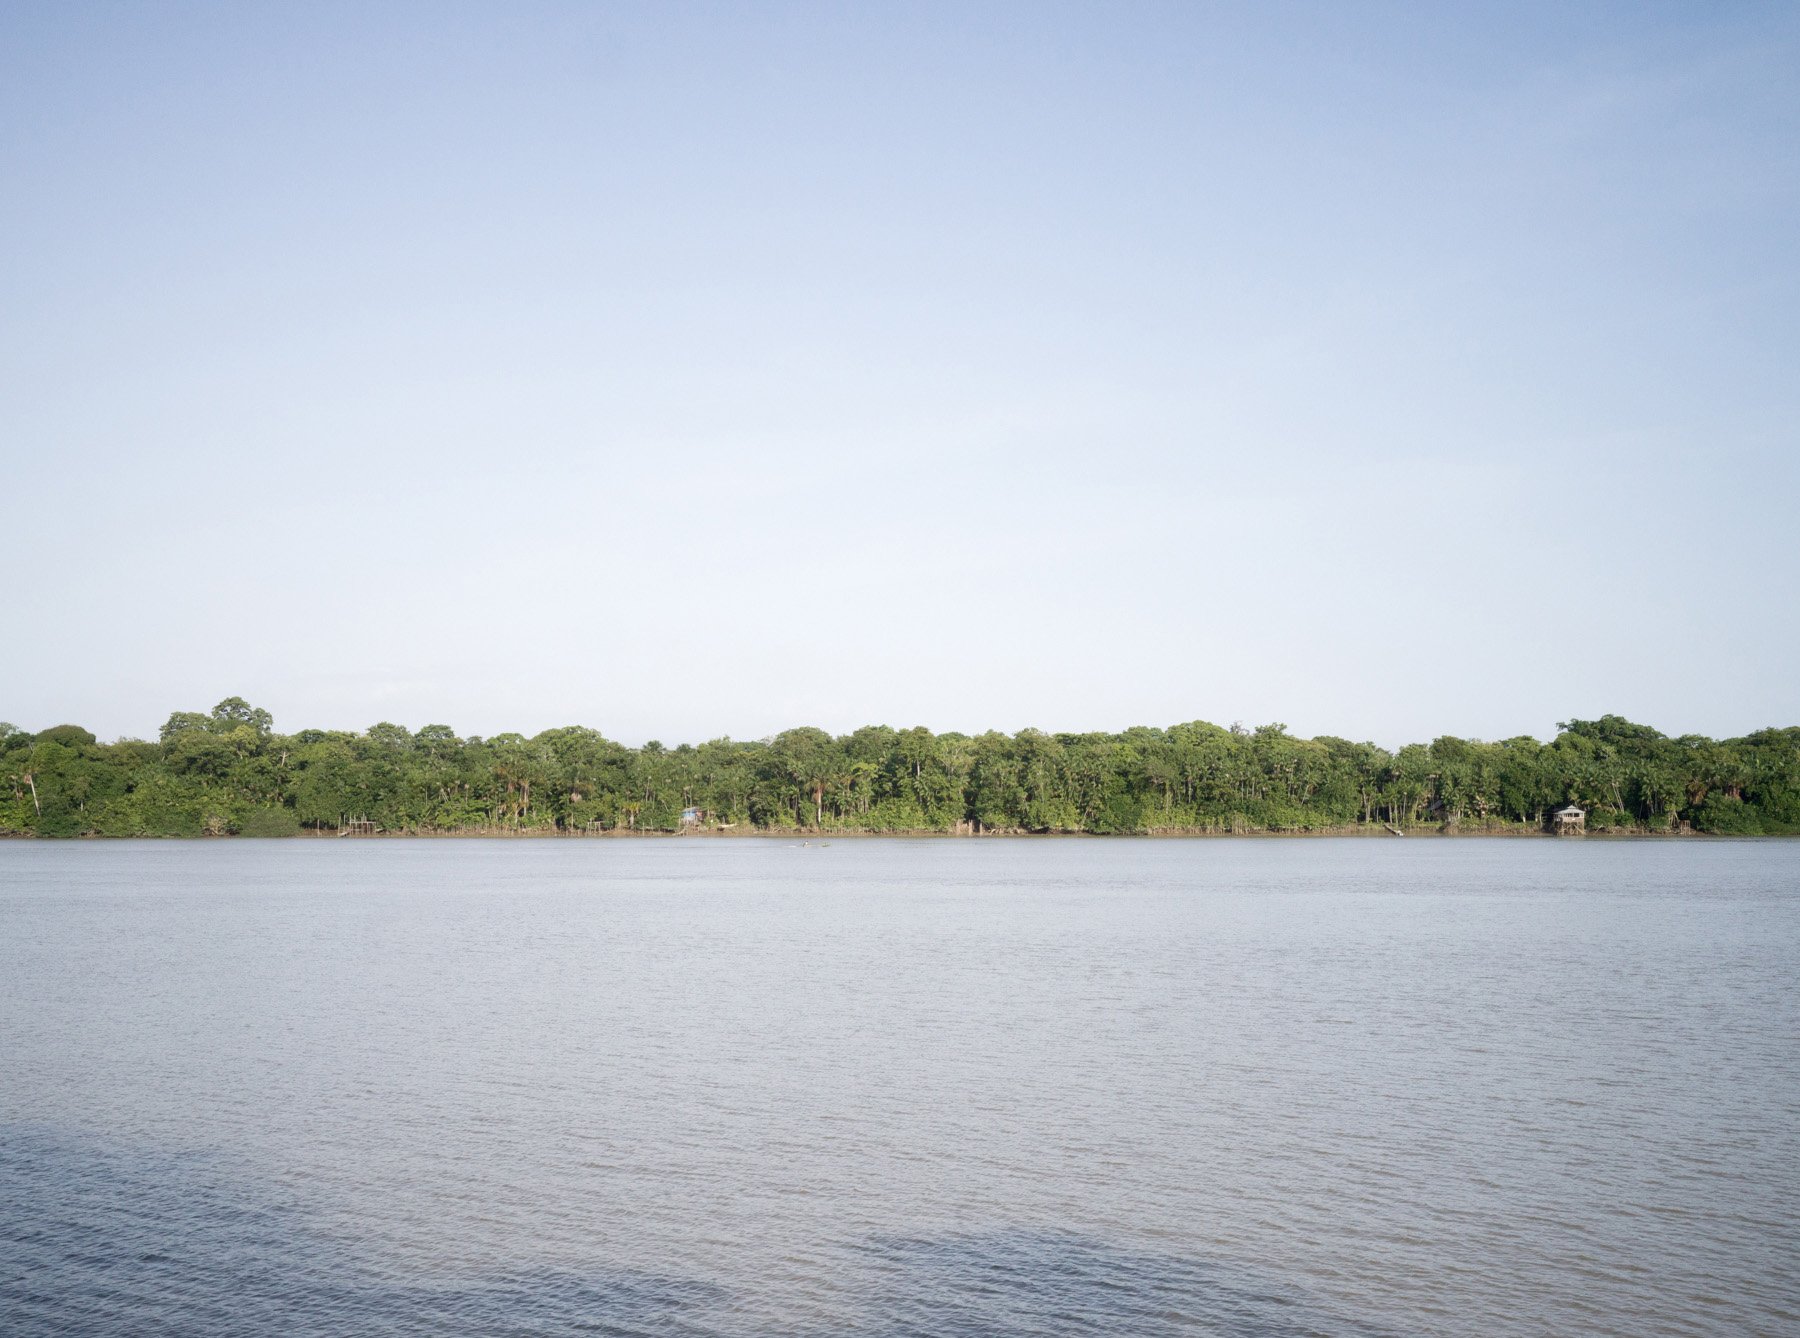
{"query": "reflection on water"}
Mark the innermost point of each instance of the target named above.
(1020, 1283)
(101, 1239)
(899, 1088)
(106, 1239)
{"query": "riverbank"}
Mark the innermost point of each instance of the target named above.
(822, 836)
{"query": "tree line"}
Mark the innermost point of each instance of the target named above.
(229, 771)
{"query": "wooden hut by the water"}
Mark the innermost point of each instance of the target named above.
(1570, 821)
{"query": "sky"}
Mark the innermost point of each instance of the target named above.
(693, 370)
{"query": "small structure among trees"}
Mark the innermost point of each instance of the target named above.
(1569, 821)
(357, 827)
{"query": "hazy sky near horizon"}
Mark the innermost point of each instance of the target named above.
(687, 370)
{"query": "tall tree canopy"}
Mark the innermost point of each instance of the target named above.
(229, 770)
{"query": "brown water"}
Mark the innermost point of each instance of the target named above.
(900, 1087)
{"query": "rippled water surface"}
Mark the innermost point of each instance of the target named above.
(888, 1087)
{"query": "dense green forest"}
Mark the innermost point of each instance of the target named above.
(230, 772)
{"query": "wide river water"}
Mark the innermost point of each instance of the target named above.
(960, 1087)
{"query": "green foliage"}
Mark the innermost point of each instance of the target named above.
(229, 771)
(1728, 816)
(71, 736)
(269, 822)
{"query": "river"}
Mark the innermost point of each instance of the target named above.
(892, 1087)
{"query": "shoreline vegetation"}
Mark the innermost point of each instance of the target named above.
(824, 837)
(228, 772)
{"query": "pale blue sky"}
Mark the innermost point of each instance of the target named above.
(704, 369)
